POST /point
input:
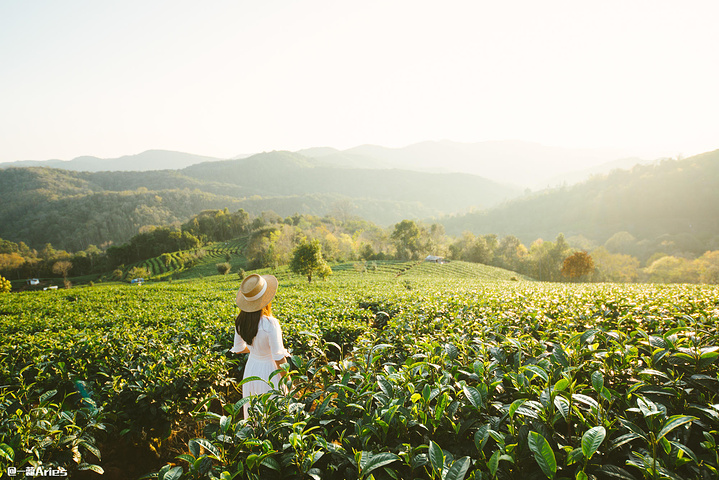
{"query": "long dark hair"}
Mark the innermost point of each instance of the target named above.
(246, 323)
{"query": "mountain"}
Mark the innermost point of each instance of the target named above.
(286, 173)
(336, 158)
(145, 161)
(73, 209)
(671, 197)
(509, 162)
(603, 169)
(518, 163)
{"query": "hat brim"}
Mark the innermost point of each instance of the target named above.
(255, 305)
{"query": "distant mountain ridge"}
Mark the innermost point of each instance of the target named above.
(524, 164)
(287, 173)
(511, 162)
(141, 162)
(672, 198)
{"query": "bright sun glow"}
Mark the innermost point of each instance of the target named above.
(224, 78)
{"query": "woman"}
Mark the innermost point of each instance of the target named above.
(258, 333)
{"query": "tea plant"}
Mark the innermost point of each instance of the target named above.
(461, 376)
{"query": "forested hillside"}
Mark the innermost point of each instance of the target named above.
(675, 199)
(286, 173)
(73, 210)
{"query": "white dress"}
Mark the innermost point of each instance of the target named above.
(266, 348)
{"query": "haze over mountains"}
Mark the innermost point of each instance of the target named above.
(517, 163)
(671, 202)
(72, 209)
(75, 209)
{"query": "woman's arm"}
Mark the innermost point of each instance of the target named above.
(246, 350)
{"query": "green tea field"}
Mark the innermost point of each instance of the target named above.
(398, 371)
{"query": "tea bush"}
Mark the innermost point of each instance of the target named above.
(466, 375)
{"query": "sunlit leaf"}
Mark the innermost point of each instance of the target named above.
(543, 454)
(591, 440)
(673, 422)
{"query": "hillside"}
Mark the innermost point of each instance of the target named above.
(673, 197)
(286, 173)
(72, 210)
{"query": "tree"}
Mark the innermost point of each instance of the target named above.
(577, 265)
(324, 271)
(366, 252)
(510, 253)
(670, 269)
(10, 262)
(707, 267)
(62, 267)
(615, 267)
(307, 260)
(406, 238)
(480, 251)
(621, 242)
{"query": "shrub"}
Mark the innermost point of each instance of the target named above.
(166, 259)
(138, 272)
(223, 268)
(5, 285)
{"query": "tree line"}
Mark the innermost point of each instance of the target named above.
(274, 240)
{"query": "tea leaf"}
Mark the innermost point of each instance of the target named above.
(591, 440)
(543, 454)
(675, 421)
(458, 469)
(377, 460)
(436, 456)
(474, 397)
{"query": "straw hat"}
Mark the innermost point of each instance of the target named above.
(255, 292)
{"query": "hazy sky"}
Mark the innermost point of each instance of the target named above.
(222, 78)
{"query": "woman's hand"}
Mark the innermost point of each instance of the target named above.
(279, 363)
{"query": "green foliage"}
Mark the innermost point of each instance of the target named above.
(462, 377)
(47, 433)
(543, 454)
(70, 209)
(5, 285)
(151, 244)
(138, 272)
(669, 206)
(406, 236)
(223, 268)
(307, 260)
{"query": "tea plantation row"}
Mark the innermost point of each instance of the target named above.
(420, 371)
